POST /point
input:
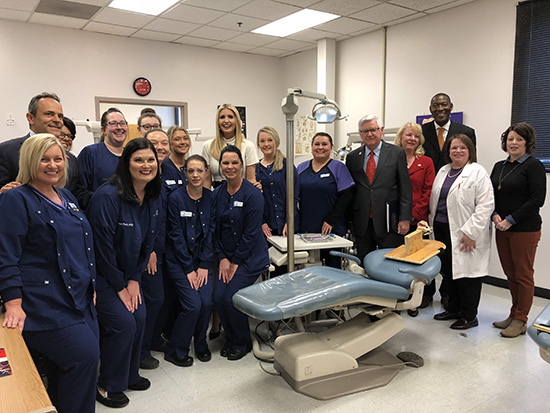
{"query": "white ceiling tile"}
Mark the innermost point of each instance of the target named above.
(299, 3)
(344, 25)
(420, 5)
(225, 5)
(171, 26)
(231, 21)
(195, 41)
(285, 44)
(407, 18)
(14, 15)
(254, 39)
(382, 13)
(344, 8)
(25, 5)
(93, 2)
(192, 14)
(266, 9)
(312, 35)
(233, 47)
(59, 21)
(369, 30)
(124, 18)
(109, 29)
(265, 51)
(448, 6)
(159, 36)
(214, 33)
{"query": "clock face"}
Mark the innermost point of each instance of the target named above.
(142, 86)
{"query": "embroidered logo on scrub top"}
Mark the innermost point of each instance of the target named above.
(238, 204)
(186, 214)
(324, 175)
(126, 224)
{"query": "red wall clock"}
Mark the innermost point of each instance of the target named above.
(142, 86)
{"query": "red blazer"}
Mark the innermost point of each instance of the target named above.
(422, 173)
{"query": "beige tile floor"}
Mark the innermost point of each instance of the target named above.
(472, 371)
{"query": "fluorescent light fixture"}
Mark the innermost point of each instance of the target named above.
(143, 6)
(296, 22)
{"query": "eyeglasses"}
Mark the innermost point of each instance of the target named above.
(114, 124)
(65, 137)
(148, 127)
(191, 171)
(367, 131)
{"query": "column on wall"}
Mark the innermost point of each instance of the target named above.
(326, 76)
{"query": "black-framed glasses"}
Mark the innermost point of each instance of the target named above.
(148, 127)
(114, 124)
(367, 131)
(64, 136)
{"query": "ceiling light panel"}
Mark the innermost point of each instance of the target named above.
(296, 22)
(143, 6)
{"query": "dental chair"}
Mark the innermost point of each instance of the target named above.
(541, 338)
(346, 358)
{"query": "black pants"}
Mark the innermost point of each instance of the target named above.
(370, 241)
(442, 233)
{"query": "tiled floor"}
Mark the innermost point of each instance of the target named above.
(472, 371)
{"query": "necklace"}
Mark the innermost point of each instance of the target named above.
(456, 174)
(500, 178)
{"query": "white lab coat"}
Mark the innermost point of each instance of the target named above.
(470, 203)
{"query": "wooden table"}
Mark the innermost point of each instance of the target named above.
(23, 391)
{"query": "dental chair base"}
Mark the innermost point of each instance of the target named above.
(333, 363)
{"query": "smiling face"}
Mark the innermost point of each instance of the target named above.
(143, 166)
(195, 171)
(371, 133)
(148, 123)
(410, 140)
(48, 118)
(116, 129)
(516, 145)
(227, 123)
(50, 169)
(321, 148)
(459, 154)
(231, 165)
(441, 108)
(161, 144)
(66, 138)
(180, 143)
(267, 144)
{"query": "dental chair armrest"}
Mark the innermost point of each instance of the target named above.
(347, 256)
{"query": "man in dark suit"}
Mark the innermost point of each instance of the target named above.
(45, 115)
(442, 127)
(379, 170)
(435, 134)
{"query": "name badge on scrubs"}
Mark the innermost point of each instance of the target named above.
(324, 175)
(238, 204)
(186, 214)
(170, 182)
(73, 206)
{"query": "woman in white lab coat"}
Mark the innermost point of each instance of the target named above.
(461, 205)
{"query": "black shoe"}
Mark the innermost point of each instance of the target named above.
(204, 355)
(235, 354)
(112, 399)
(149, 363)
(214, 334)
(159, 347)
(464, 324)
(184, 361)
(446, 315)
(413, 313)
(426, 301)
(142, 384)
(224, 352)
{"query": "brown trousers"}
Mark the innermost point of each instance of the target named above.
(516, 251)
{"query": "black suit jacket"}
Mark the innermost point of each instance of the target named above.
(391, 182)
(431, 144)
(9, 168)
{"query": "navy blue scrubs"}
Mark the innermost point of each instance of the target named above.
(97, 164)
(124, 235)
(172, 176)
(274, 192)
(239, 238)
(47, 260)
(191, 227)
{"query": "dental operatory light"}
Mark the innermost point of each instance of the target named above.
(326, 111)
(296, 22)
(143, 6)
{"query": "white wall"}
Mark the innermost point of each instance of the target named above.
(79, 66)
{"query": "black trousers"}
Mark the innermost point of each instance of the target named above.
(370, 241)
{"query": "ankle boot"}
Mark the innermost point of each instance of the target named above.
(515, 328)
(503, 324)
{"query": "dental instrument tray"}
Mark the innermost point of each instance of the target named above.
(316, 237)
